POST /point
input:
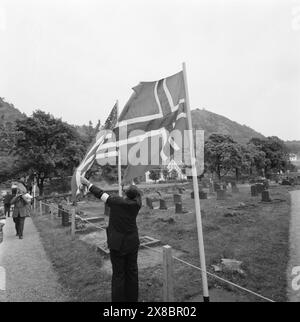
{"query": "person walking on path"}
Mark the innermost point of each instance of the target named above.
(6, 202)
(21, 204)
(122, 240)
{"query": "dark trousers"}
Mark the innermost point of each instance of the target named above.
(7, 210)
(19, 224)
(125, 281)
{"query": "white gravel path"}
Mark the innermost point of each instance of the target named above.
(29, 274)
(294, 260)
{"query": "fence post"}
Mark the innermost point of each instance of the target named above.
(168, 285)
(73, 223)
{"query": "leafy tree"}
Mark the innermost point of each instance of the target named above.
(154, 174)
(276, 154)
(222, 155)
(8, 137)
(255, 159)
(49, 147)
(7, 168)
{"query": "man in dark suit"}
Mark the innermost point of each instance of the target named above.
(21, 204)
(122, 240)
(6, 201)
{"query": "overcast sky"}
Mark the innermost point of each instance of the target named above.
(74, 58)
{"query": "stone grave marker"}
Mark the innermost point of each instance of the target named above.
(265, 196)
(216, 186)
(179, 209)
(177, 198)
(202, 194)
(221, 194)
(162, 204)
(254, 192)
(65, 217)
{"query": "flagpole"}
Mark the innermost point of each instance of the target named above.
(119, 160)
(196, 191)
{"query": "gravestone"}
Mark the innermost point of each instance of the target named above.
(149, 202)
(254, 192)
(221, 195)
(59, 210)
(179, 209)
(162, 204)
(265, 196)
(202, 194)
(177, 198)
(65, 217)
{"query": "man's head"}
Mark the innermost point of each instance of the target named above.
(132, 192)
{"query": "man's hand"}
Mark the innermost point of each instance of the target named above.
(84, 181)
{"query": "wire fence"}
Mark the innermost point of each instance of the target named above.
(161, 252)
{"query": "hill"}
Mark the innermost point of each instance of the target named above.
(8, 113)
(293, 147)
(215, 123)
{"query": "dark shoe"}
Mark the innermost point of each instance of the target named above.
(20, 237)
(17, 234)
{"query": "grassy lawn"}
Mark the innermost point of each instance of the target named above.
(257, 235)
(77, 264)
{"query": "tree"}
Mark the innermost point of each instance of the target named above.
(255, 158)
(276, 154)
(222, 154)
(7, 168)
(49, 147)
(154, 174)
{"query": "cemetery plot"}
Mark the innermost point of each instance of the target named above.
(240, 227)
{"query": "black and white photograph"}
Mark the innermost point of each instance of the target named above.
(149, 153)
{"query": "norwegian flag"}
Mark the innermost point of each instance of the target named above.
(90, 157)
(152, 112)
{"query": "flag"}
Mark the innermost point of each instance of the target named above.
(90, 157)
(153, 111)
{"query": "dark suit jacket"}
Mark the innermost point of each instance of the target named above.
(21, 207)
(122, 231)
